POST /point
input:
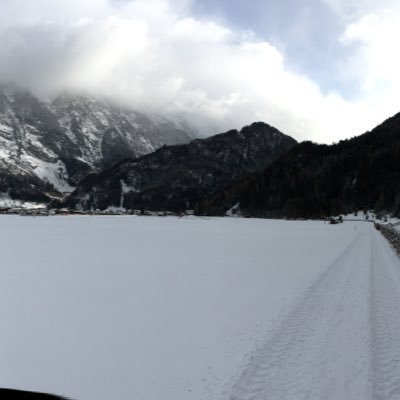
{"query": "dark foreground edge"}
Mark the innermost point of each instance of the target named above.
(11, 394)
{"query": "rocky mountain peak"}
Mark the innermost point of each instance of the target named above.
(179, 177)
(58, 143)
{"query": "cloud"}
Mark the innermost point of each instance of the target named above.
(156, 55)
(349, 10)
(375, 63)
(376, 36)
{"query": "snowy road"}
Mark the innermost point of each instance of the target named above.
(341, 340)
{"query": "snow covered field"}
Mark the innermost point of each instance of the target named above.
(146, 308)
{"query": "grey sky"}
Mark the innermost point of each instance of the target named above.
(318, 69)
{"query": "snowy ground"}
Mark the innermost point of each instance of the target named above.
(100, 308)
(7, 202)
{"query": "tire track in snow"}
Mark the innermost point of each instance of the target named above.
(385, 321)
(322, 350)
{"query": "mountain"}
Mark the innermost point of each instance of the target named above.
(314, 180)
(180, 177)
(53, 145)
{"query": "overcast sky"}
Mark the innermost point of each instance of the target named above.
(321, 70)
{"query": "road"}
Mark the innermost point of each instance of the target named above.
(341, 340)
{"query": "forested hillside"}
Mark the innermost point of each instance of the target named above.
(314, 180)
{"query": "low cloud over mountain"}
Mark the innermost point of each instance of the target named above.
(159, 55)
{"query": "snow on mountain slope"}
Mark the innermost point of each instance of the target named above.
(106, 133)
(59, 143)
(180, 177)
